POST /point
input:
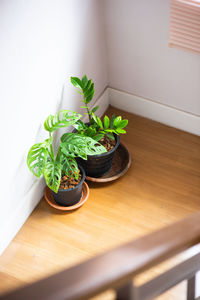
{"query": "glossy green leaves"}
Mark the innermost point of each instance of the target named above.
(97, 128)
(86, 86)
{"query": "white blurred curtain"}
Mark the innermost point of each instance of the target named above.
(185, 25)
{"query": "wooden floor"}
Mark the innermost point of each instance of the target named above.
(161, 186)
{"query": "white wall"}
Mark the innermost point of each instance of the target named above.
(42, 44)
(139, 59)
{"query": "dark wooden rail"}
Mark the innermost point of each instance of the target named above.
(117, 268)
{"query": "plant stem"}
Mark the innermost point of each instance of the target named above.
(49, 153)
(90, 119)
(51, 149)
(88, 111)
(58, 153)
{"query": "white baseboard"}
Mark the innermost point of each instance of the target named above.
(26, 205)
(155, 111)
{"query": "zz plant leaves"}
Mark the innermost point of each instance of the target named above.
(86, 88)
(41, 159)
(96, 128)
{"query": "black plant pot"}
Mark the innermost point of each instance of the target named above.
(98, 165)
(70, 196)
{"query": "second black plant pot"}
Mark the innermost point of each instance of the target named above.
(98, 165)
(70, 196)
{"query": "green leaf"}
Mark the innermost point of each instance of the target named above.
(123, 123)
(76, 82)
(52, 175)
(109, 130)
(76, 145)
(63, 119)
(72, 145)
(87, 88)
(80, 93)
(98, 137)
(89, 93)
(106, 122)
(110, 136)
(37, 157)
(84, 81)
(95, 108)
(90, 131)
(69, 166)
(47, 142)
(94, 117)
(93, 148)
(117, 121)
(99, 122)
(89, 98)
(112, 121)
(119, 130)
(79, 125)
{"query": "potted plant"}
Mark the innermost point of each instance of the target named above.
(105, 131)
(59, 168)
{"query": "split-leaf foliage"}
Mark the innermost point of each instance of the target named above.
(41, 159)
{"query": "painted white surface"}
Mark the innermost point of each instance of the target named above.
(27, 203)
(42, 44)
(155, 111)
(139, 59)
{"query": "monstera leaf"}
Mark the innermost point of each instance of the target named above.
(69, 166)
(37, 157)
(73, 145)
(76, 145)
(52, 175)
(63, 119)
(92, 147)
(79, 125)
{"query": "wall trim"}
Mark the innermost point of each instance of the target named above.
(155, 111)
(12, 225)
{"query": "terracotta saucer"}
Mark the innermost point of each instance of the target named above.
(50, 199)
(120, 165)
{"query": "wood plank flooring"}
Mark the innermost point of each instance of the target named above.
(161, 186)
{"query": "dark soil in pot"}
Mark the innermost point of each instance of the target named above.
(98, 165)
(70, 191)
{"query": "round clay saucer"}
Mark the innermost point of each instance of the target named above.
(50, 199)
(120, 165)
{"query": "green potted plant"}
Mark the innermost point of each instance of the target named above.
(105, 131)
(59, 168)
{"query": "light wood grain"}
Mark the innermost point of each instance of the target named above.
(162, 186)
